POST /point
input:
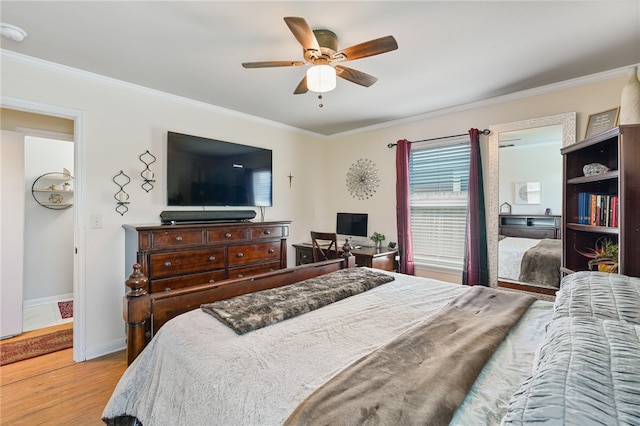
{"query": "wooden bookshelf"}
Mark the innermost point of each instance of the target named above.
(619, 150)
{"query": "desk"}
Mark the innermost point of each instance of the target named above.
(383, 258)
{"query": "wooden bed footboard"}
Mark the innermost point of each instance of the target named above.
(145, 313)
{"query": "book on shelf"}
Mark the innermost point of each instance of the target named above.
(598, 209)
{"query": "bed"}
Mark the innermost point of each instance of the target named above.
(530, 251)
(198, 370)
(588, 371)
(530, 260)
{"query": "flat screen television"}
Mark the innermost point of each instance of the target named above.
(209, 172)
(352, 224)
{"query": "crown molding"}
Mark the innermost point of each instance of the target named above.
(113, 82)
(77, 73)
(511, 97)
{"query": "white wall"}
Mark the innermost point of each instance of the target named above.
(48, 237)
(538, 163)
(122, 121)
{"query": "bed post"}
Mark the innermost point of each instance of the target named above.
(136, 312)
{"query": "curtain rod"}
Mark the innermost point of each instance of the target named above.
(484, 132)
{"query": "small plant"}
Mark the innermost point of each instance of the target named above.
(604, 255)
(377, 238)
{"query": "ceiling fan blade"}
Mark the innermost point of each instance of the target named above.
(267, 64)
(355, 76)
(368, 48)
(302, 87)
(302, 33)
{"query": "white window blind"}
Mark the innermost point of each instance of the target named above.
(439, 182)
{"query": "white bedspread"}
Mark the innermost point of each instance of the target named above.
(197, 371)
(510, 252)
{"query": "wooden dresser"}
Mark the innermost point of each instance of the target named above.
(184, 255)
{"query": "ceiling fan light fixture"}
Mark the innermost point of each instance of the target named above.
(321, 78)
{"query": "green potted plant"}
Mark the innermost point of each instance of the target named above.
(378, 239)
(603, 256)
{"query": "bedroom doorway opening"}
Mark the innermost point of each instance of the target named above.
(48, 236)
(51, 138)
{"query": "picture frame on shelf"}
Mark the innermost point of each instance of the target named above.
(505, 208)
(602, 121)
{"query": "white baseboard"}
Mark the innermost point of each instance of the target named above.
(105, 349)
(50, 299)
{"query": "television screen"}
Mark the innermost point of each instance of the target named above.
(209, 172)
(354, 224)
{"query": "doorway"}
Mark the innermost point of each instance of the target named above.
(43, 121)
(48, 235)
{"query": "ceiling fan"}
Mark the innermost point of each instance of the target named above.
(320, 49)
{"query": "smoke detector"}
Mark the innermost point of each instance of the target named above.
(12, 32)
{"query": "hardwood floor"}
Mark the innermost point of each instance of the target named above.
(53, 390)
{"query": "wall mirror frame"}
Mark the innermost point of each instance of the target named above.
(568, 122)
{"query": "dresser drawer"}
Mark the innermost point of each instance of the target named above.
(251, 253)
(185, 262)
(224, 235)
(304, 255)
(187, 281)
(269, 232)
(245, 271)
(176, 238)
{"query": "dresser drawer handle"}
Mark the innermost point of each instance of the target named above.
(267, 231)
(212, 281)
(167, 289)
(304, 256)
(167, 264)
(227, 235)
(178, 238)
(240, 255)
(271, 251)
(240, 276)
(212, 259)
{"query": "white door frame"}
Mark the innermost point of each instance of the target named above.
(79, 275)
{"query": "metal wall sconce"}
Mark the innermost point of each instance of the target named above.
(147, 174)
(122, 198)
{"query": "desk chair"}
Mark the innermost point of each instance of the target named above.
(319, 239)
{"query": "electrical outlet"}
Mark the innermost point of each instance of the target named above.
(95, 221)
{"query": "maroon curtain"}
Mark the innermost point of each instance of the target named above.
(403, 211)
(475, 269)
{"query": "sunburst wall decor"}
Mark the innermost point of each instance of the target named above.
(362, 179)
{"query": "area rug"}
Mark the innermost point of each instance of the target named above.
(66, 309)
(35, 346)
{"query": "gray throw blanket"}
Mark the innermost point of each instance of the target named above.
(422, 376)
(256, 310)
(541, 263)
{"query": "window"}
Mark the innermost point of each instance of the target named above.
(262, 187)
(438, 187)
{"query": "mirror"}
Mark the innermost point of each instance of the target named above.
(519, 176)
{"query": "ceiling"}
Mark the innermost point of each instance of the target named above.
(451, 53)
